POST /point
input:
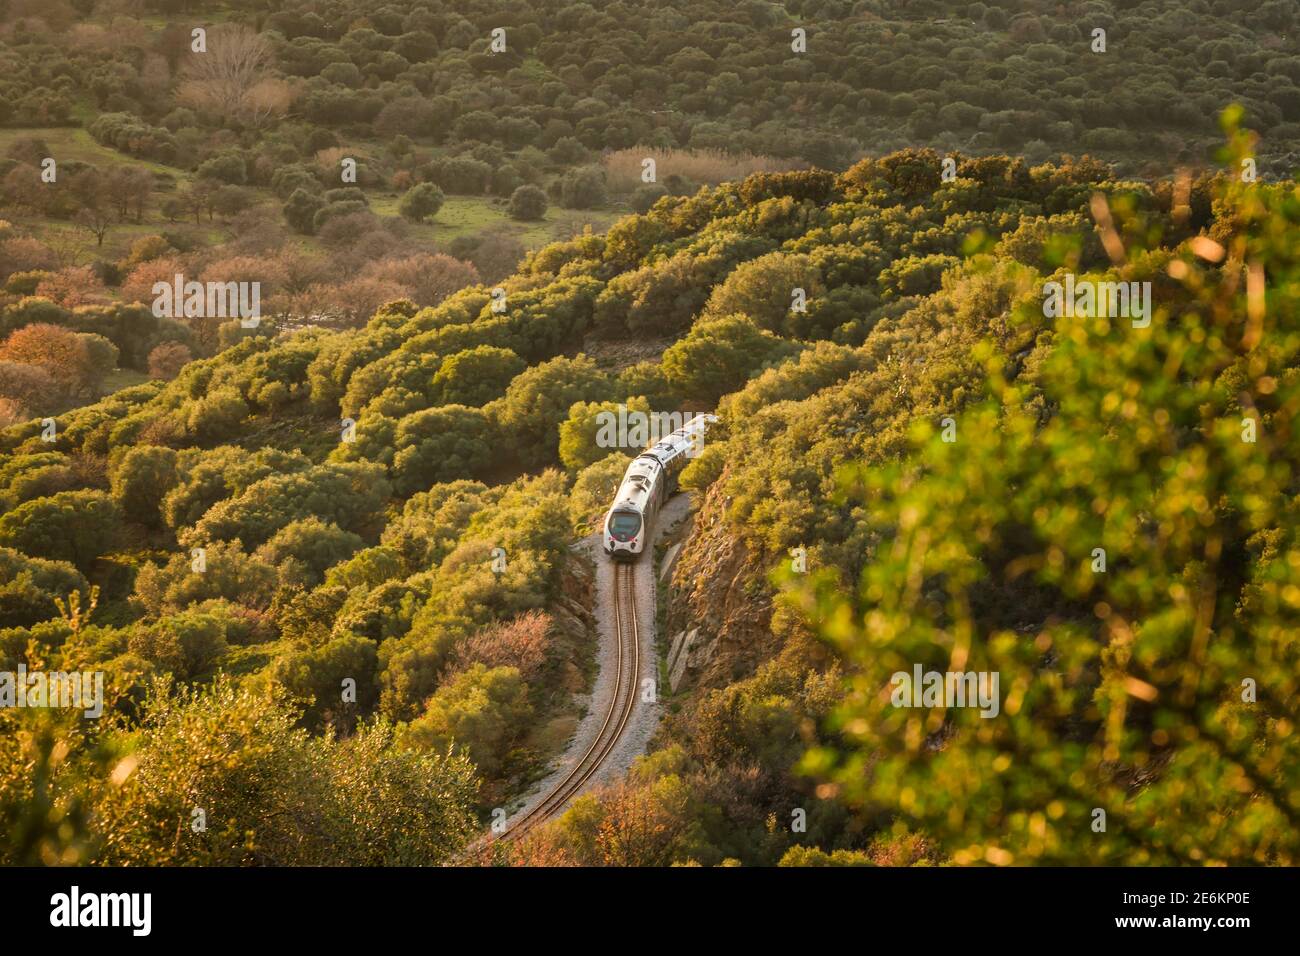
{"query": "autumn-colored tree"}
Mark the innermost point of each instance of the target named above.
(428, 279)
(167, 360)
(30, 388)
(521, 644)
(58, 351)
(72, 287)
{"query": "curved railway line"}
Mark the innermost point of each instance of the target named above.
(621, 705)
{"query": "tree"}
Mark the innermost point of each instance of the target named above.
(217, 415)
(94, 194)
(350, 495)
(29, 387)
(318, 674)
(304, 549)
(228, 573)
(583, 188)
(186, 644)
(764, 289)
(72, 287)
(61, 353)
(522, 644)
(287, 798)
(72, 526)
(442, 444)
(300, 211)
(130, 188)
(719, 356)
(581, 433)
(427, 278)
(528, 202)
(539, 399)
(141, 479)
(475, 376)
(145, 249)
(167, 360)
(30, 586)
(479, 712)
(101, 359)
(422, 201)
(232, 79)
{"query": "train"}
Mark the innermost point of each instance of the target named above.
(650, 480)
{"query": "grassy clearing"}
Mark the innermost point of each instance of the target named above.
(75, 144)
(77, 246)
(468, 215)
(459, 216)
(121, 378)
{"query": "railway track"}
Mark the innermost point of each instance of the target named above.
(622, 703)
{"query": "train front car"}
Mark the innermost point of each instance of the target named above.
(627, 522)
(649, 480)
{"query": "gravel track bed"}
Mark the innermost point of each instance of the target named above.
(645, 716)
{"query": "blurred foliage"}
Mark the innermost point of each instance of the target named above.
(1161, 690)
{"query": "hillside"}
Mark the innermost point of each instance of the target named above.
(344, 155)
(313, 318)
(328, 554)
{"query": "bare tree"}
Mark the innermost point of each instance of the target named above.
(130, 188)
(94, 197)
(232, 78)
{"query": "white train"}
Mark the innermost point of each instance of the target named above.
(647, 484)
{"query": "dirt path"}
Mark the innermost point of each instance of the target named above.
(645, 718)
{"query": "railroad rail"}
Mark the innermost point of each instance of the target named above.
(622, 703)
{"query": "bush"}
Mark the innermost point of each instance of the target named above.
(422, 201)
(226, 167)
(216, 416)
(583, 188)
(539, 399)
(304, 549)
(479, 713)
(300, 211)
(141, 479)
(73, 526)
(29, 587)
(719, 356)
(527, 203)
(228, 574)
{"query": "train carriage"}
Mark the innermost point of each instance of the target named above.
(649, 481)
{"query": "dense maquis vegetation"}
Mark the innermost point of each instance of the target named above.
(1160, 690)
(325, 564)
(470, 147)
(371, 556)
(577, 79)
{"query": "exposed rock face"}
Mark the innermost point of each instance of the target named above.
(577, 589)
(719, 606)
(573, 619)
(681, 658)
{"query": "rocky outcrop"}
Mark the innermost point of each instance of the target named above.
(574, 622)
(719, 604)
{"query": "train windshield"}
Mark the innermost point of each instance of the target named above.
(624, 524)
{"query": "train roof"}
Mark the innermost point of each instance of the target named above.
(637, 482)
(645, 468)
(680, 441)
